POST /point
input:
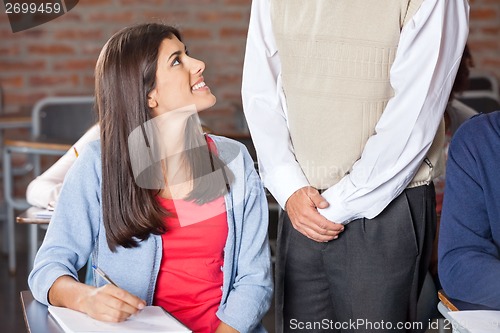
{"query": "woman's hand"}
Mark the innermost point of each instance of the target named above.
(110, 303)
(106, 303)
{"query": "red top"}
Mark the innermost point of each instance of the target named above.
(189, 283)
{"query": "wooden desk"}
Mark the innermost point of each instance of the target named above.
(11, 121)
(29, 216)
(448, 304)
(36, 315)
(38, 146)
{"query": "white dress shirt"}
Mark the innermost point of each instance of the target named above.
(422, 75)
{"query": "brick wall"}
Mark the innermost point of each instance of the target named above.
(58, 58)
(484, 35)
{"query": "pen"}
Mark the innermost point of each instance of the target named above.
(103, 275)
(76, 151)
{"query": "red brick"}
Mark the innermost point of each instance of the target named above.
(247, 3)
(52, 49)
(494, 31)
(218, 16)
(119, 17)
(78, 34)
(21, 65)
(167, 17)
(482, 45)
(482, 14)
(93, 3)
(12, 81)
(71, 17)
(233, 33)
(12, 50)
(193, 33)
(143, 2)
(76, 65)
(227, 80)
(22, 99)
(88, 81)
(493, 62)
(44, 81)
(186, 3)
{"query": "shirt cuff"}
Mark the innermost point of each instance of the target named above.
(283, 181)
(336, 211)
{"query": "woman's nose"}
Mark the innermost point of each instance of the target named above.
(197, 66)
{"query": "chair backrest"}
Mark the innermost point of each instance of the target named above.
(63, 119)
(481, 83)
(484, 103)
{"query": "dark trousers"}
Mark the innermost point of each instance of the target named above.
(367, 280)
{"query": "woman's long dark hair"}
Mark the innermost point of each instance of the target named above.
(125, 75)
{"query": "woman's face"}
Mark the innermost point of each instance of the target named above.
(179, 80)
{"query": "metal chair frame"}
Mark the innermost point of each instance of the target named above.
(36, 132)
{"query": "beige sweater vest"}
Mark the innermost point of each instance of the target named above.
(336, 56)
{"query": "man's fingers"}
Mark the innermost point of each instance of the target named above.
(317, 199)
(315, 236)
(305, 218)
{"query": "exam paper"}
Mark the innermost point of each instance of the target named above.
(152, 319)
(477, 321)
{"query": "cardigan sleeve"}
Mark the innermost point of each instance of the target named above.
(469, 259)
(73, 228)
(251, 291)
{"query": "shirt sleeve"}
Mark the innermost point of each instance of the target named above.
(265, 108)
(469, 259)
(422, 75)
(46, 188)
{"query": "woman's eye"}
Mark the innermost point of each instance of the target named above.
(176, 62)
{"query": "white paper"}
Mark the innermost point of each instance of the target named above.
(478, 321)
(151, 319)
(44, 214)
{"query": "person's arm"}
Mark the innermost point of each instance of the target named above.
(422, 76)
(46, 188)
(251, 290)
(106, 303)
(469, 259)
(264, 103)
(264, 106)
(225, 328)
(67, 247)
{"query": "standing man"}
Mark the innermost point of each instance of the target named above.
(344, 100)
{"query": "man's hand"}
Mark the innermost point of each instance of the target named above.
(303, 213)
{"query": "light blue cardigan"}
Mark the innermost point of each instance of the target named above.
(76, 231)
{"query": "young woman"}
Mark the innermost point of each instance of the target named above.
(175, 218)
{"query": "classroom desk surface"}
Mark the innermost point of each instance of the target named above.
(36, 315)
(32, 145)
(29, 216)
(14, 121)
(448, 304)
(456, 305)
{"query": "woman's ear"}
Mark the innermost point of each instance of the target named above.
(152, 102)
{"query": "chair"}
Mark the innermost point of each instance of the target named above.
(10, 122)
(483, 93)
(481, 82)
(481, 101)
(57, 123)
